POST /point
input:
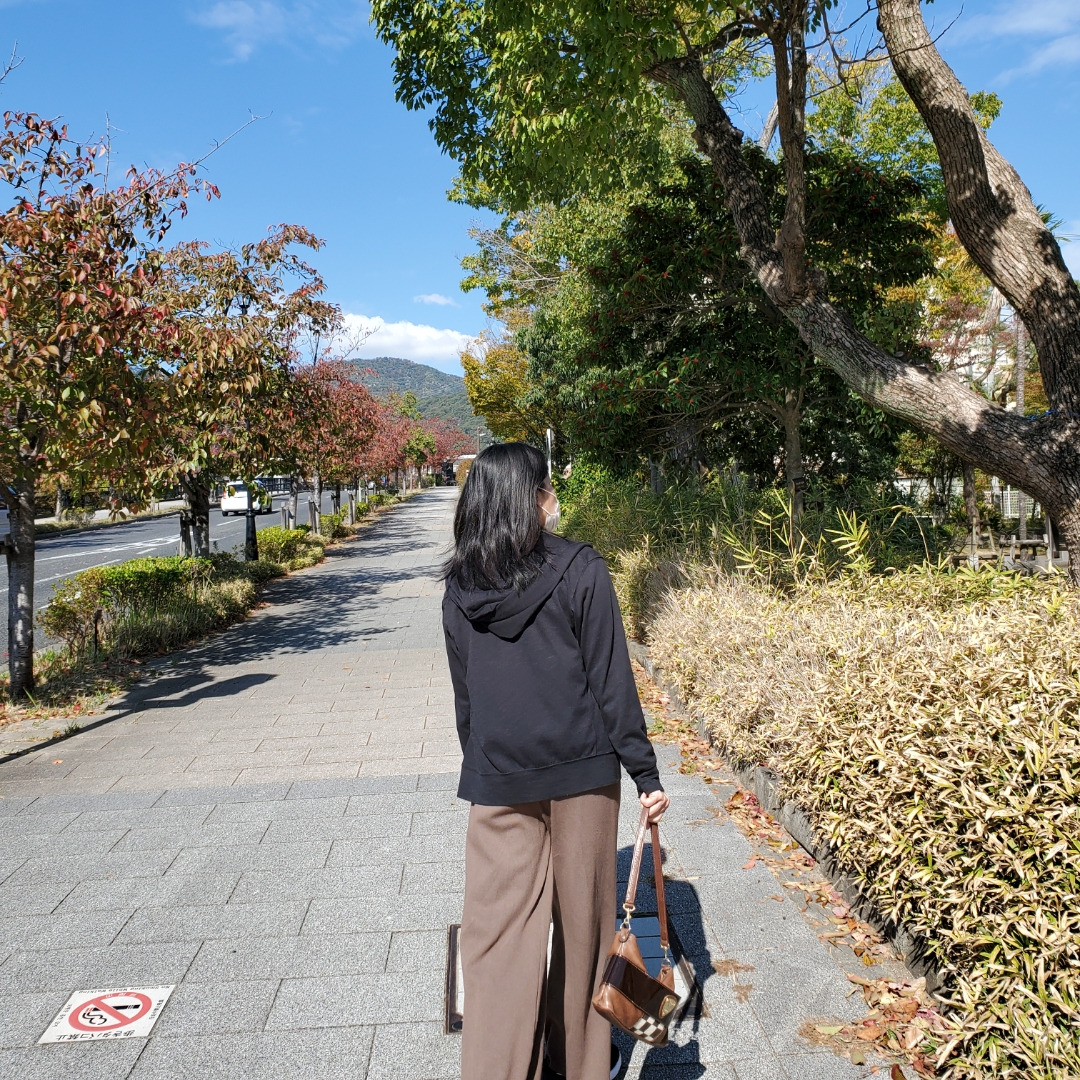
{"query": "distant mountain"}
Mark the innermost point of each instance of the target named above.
(439, 396)
(394, 375)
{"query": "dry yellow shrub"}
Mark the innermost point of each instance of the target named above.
(930, 724)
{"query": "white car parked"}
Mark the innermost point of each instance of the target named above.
(234, 499)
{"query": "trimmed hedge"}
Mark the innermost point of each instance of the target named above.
(151, 605)
(292, 549)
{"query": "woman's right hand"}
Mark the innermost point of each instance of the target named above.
(656, 802)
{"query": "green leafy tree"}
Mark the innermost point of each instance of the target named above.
(541, 102)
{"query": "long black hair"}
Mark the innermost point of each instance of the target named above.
(497, 527)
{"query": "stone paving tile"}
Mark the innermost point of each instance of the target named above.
(201, 835)
(252, 857)
(292, 810)
(171, 890)
(358, 881)
(432, 877)
(23, 1017)
(68, 970)
(376, 849)
(283, 957)
(407, 913)
(202, 922)
(341, 1054)
(217, 1008)
(369, 998)
(316, 771)
(415, 950)
(175, 781)
(411, 765)
(61, 931)
(64, 843)
(352, 827)
(34, 899)
(105, 1060)
(430, 1054)
(60, 868)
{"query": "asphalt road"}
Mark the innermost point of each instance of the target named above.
(59, 557)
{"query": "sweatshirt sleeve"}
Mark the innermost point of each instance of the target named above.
(611, 679)
(457, 677)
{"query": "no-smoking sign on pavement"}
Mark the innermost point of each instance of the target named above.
(127, 1012)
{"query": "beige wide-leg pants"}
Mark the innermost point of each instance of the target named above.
(529, 867)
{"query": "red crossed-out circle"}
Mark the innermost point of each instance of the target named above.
(98, 1015)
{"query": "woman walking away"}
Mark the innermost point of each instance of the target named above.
(547, 711)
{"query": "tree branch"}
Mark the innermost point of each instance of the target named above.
(1017, 450)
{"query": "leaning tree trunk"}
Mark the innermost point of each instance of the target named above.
(1042, 458)
(20, 567)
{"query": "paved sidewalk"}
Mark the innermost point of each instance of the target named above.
(271, 825)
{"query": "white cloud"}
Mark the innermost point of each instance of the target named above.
(1046, 33)
(1035, 18)
(246, 25)
(434, 298)
(410, 341)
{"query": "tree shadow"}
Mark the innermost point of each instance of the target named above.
(341, 605)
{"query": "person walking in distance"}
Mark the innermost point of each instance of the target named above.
(547, 712)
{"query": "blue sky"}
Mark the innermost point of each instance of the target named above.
(335, 152)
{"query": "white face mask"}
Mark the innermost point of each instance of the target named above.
(551, 520)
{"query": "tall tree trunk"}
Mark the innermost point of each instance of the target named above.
(1042, 458)
(185, 531)
(20, 567)
(335, 499)
(1021, 379)
(971, 505)
(794, 474)
(196, 489)
(316, 484)
(294, 498)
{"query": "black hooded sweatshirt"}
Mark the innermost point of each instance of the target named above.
(545, 696)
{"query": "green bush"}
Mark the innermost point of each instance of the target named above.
(929, 722)
(291, 548)
(333, 526)
(150, 605)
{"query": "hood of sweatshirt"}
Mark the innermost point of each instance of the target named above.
(506, 612)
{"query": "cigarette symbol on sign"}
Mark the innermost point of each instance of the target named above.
(109, 1011)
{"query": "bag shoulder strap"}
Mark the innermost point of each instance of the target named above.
(658, 878)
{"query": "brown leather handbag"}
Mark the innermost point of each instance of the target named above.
(629, 996)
